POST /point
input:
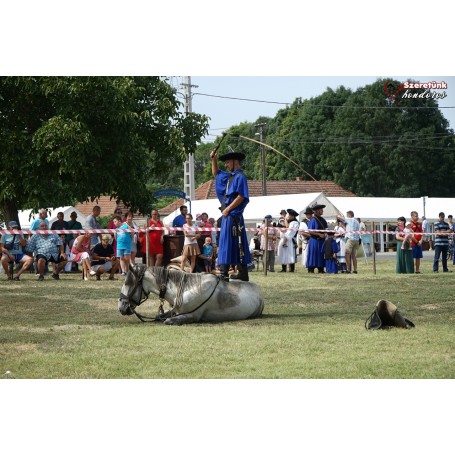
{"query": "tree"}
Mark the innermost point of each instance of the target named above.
(69, 139)
(404, 150)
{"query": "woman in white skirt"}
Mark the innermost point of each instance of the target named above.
(340, 231)
(304, 233)
(190, 247)
(287, 248)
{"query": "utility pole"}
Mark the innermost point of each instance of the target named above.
(260, 126)
(188, 170)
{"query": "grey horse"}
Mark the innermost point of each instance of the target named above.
(194, 297)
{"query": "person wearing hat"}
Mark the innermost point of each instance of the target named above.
(11, 251)
(304, 234)
(272, 234)
(287, 248)
(317, 224)
(232, 191)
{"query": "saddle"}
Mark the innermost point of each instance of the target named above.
(386, 315)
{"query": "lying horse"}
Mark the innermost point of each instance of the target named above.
(194, 297)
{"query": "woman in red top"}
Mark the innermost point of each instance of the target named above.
(155, 241)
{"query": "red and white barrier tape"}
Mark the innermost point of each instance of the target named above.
(174, 229)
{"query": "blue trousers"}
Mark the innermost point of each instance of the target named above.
(438, 249)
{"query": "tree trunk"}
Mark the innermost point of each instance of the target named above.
(9, 212)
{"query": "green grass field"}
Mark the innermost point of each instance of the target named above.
(312, 327)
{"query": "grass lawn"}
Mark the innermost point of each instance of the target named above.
(312, 327)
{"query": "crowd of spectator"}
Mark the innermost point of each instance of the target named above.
(321, 249)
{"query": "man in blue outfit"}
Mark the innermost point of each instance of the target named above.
(180, 220)
(232, 192)
(315, 258)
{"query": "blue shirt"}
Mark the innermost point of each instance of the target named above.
(14, 241)
(207, 250)
(238, 186)
(352, 225)
(124, 240)
(47, 246)
(179, 221)
(35, 224)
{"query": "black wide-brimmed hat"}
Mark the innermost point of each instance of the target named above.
(317, 206)
(386, 315)
(292, 213)
(232, 156)
(308, 211)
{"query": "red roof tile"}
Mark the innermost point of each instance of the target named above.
(274, 187)
(106, 204)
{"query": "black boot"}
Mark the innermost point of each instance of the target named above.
(242, 273)
(292, 267)
(224, 272)
(310, 269)
(283, 268)
(321, 270)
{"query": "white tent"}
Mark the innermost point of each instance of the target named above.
(261, 206)
(26, 221)
(378, 212)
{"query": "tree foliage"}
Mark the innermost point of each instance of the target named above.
(69, 139)
(359, 140)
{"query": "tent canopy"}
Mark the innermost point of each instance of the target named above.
(388, 209)
(261, 206)
(26, 218)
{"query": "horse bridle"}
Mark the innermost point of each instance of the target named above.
(162, 288)
(133, 290)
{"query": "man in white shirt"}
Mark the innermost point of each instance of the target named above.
(352, 243)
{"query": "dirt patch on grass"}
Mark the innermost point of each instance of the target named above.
(22, 347)
(59, 328)
(431, 306)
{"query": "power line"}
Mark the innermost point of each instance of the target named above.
(324, 105)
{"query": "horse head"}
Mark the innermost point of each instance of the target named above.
(132, 293)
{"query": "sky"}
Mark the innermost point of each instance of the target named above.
(277, 91)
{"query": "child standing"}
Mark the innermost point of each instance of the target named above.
(207, 253)
(124, 241)
(330, 250)
(190, 247)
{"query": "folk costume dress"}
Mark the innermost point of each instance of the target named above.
(341, 241)
(405, 261)
(228, 243)
(288, 254)
(315, 256)
(330, 248)
(304, 240)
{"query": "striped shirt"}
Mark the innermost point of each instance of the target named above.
(441, 240)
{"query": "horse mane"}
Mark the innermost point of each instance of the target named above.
(180, 279)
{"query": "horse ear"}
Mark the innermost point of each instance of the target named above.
(131, 267)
